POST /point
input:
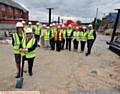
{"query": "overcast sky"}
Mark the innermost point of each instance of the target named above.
(69, 8)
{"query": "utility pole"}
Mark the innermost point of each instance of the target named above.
(50, 10)
(96, 15)
(95, 19)
(62, 21)
(115, 25)
(58, 19)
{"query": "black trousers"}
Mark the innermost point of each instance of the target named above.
(52, 44)
(62, 44)
(75, 42)
(82, 45)
(58, 46)
(37, 37)
(89, 45)
(30, 64)
(18, 61)
(18, 58)
(68, 43)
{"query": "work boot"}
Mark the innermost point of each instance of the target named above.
(87, 54)
(17, 76)
(30, 74)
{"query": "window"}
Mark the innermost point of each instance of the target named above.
(3, 7)
(15, 11)
(9, 9)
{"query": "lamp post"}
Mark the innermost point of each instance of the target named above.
(50, 10)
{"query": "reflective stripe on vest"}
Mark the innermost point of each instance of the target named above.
(83, 36)
(46, 36)
(69, 32)
(76, 35)
(37, 30)
(16, 43)
(53, 30)
(29, 45)
(90, 34)
(60, 36)
(64, 33)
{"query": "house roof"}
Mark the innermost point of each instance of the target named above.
(13, 4)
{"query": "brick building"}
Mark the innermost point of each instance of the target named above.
(11, 11)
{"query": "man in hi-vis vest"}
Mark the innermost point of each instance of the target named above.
(91, 36)
(27, 49)
(52, 33)
(64, 31)
(76, 38)
(58, 39)
(37, 33)
(47, 37)
(69, 36)
(83, 38)
(16, 41)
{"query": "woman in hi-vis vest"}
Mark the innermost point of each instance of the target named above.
(27, 49)
(58, 39)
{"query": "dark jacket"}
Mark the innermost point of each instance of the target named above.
(32, 48)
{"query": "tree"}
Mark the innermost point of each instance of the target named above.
(96, 23)
(79, 22)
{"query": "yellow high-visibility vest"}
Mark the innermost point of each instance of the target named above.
(90, 35)
(46, 35)
(53, 31)
(69, 31)
(76, 35)
(60, 36)
(37, 30)
(83, 36)
(64, 33)
(29, 45)
(17, 42)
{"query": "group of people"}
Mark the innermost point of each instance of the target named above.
(56, 37)
(61, 37)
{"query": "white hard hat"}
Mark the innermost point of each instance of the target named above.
(63, 25)
(69, 25)
(29, 23)
(23, 22)
(29, 30)
(44, 25)
(58, 26)
(77, 27)
(53, 24)
(37, 23)
(84, 27)
(19, 24)
(90, 25)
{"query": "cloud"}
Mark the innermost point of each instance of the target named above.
(74, 8)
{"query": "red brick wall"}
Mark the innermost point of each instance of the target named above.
(13, 14)
(8, 21)
(0, 7)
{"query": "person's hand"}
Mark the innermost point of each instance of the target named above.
(22, 50)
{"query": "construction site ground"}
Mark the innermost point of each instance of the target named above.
(65, 72)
